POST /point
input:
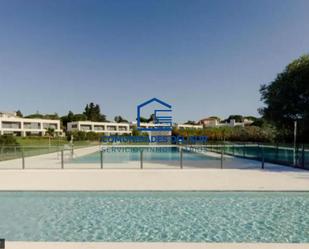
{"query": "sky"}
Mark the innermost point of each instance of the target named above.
(203, 57)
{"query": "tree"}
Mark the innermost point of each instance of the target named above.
(71, 117)
(19, 114)
(93, 113)
(237, 118)
(43, 116)
(286, 99)
(147, 120)
(190, 122)
(50, 132)
(143, 120)
(7, 143)
(151, 118)
(119, 119)
(35, 115)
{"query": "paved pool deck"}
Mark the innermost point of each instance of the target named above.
(153, 179)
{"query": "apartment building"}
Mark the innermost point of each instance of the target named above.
(213, 122)
(100, 127)
(188, 126)
(10, 123)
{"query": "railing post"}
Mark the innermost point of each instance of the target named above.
(2, 243)
(277, 152)
(222, 157)
(181, 158)
(303, 156)
(141, 159)
(262, 157)
(72, 151)
(23, 159)
(101, 158)
(62, 159)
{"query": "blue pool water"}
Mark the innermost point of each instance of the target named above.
(155, 216)
(150, 154)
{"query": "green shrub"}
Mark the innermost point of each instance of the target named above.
(8, 140)
(245, 134)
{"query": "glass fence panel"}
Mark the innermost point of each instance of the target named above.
(161, 157)
(306, 159)
(10, 157)
(106, 157)
(201, 157)
(151, 156)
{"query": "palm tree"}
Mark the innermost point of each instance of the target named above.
(50, 132)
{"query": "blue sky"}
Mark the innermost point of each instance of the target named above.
(203, 57)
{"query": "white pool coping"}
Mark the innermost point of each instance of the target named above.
(128, 245)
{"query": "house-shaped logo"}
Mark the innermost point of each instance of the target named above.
(162, 120)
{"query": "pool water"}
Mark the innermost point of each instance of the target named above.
(150, 154)
(155, 216)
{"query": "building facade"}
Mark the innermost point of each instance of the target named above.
(188, 126)
(214, 122)
(10, 123)
(100, 127)
(209, 122)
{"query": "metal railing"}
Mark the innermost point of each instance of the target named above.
(210, 156)
(2, 243)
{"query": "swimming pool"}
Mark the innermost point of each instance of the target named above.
(150, 154)
(155, 216)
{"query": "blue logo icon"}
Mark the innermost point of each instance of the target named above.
(162, 121)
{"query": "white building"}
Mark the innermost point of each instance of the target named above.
(209, 122)
(149, 126)
(10, 123)
(214, 122)
(100, 127)
(188, 126)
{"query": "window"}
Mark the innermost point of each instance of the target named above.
(11, 125)
(85, 127)
(99, 127)
(50, 125)
(32, 125)
(123, 128)
(111, 128)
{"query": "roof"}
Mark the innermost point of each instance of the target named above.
(210, 118)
